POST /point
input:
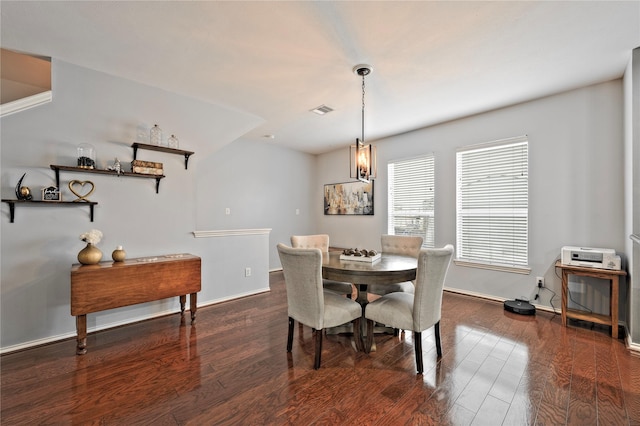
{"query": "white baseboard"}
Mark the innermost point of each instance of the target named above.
(497, 299)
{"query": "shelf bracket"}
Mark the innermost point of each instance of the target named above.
(12, 210)
(158, 185)
(57, 170)
(135, 151)
(186, 160)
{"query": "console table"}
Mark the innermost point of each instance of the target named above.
(109, 285)
(606, 274)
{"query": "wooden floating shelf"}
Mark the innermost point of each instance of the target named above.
(138, 145)
(57, 169)
(40, 203)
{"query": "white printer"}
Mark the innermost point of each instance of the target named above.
(590, 257)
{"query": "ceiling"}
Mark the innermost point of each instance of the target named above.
(432, 61)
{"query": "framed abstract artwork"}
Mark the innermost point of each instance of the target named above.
(348, 198)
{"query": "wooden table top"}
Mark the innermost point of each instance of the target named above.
(391, 268)
(76, 267)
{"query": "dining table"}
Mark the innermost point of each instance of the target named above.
(388, 269)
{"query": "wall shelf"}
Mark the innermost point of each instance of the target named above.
(137, 145)
(40, 203)
(57, 169)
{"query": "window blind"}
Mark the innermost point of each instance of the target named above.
(411, 195)
(492, 202)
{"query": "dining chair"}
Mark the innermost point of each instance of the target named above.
(408, 245)
(419, 311)
(309, 303)
(321, 241)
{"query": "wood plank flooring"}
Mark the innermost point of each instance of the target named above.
(232, 368)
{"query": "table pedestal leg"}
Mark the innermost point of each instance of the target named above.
(81, 330)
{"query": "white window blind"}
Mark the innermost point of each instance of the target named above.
(411, 198)
(492, 202)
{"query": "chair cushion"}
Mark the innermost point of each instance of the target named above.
(339, 310)
(393, 309)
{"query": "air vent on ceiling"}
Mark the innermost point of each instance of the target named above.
(322, 109)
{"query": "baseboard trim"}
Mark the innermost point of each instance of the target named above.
(497, 299)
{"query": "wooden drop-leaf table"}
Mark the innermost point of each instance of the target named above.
(110, 285)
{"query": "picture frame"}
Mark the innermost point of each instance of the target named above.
(349, 198)
(51, 193)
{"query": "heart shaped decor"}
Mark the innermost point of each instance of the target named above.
(80, 187)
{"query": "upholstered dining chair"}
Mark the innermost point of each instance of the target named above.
(309, 303)
(419, 311)
(397, 244)
(321, 241)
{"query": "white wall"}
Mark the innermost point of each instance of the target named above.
(575, 193)
(38, 250)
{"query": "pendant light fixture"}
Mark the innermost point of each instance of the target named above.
(362, 157)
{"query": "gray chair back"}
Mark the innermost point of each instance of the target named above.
(433, 265)
(320, 241)
(401, 244)
(302, 270)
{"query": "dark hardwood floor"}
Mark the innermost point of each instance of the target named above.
(232, 368)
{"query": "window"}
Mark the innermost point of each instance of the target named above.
(411, 198)
(492, 201)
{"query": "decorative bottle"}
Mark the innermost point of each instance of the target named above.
(172, 142)
(155, 135)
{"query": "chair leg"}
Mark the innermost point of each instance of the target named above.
(417, 343)
(369, 342)
(290, 336)
(318, 349)
(357, 335)
(436, 328)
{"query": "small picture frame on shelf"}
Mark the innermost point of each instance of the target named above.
(51, 193)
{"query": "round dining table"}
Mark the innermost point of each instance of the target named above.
(389, 269)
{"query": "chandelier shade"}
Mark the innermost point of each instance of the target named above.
(362, 156)
(363, 161)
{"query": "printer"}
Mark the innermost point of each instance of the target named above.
(590, 257)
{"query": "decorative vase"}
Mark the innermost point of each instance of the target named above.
(90, 255)
(118, 255)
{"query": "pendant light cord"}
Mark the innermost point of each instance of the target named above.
(363, 74)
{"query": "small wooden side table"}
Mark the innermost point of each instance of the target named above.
(109, 285)
(606, 274)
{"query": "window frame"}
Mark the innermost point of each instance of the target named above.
(427, 215)
(514, 215)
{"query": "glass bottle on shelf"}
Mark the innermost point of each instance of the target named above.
(86, 156)
(155, 135)
(172, 142)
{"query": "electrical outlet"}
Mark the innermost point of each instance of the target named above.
(540, 281)
(247, 272)
(227, 211)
